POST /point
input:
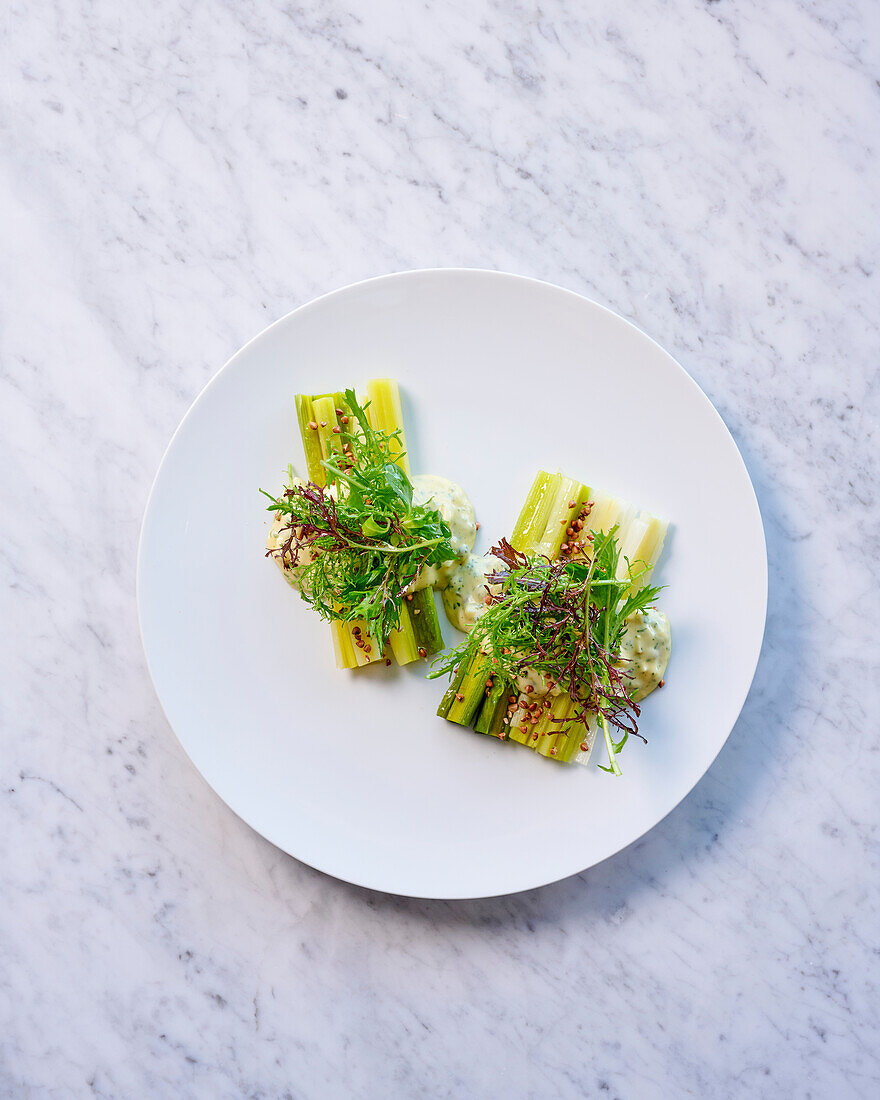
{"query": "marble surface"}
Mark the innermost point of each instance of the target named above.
(174, 176)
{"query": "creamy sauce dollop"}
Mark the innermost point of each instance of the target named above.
(646, 645)
(289, 567)
(453, 504)
(277, 537)
(462, 582)
(464, 596)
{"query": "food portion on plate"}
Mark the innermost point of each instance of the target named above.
(563, 636)
(363, 540)
(567, 640)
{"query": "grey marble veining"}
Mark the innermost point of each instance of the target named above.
(175, 176)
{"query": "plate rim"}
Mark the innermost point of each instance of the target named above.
(467, 272)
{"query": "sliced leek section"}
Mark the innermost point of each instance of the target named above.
(419, 633)
(317, 417)
(559, 519)
(532, 520)
(386, 415)
(322, 419)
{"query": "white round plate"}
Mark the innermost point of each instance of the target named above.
(352, 772)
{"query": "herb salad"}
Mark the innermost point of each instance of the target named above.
(356, 544)
(563, 622)
(568, 640)
(564, 639)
